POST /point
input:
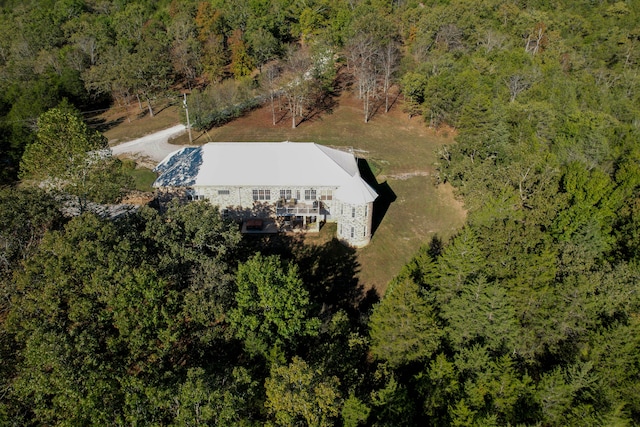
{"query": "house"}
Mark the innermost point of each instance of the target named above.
(297, 184)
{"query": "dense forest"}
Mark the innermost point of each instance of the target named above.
(529, 315)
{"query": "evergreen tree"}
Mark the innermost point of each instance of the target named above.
(403, 326)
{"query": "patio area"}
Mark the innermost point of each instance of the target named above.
(281, 224)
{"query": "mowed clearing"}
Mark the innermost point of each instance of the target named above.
(400, 152)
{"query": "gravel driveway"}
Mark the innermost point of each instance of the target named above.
(153, 146)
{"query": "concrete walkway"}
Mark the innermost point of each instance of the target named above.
(153, 146)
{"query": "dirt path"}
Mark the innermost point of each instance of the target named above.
(154, 146)
(403, 176)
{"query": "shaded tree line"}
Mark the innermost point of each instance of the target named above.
(164, 316)
(518, 319)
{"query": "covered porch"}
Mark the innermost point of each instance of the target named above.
(295, 215)
(298, 208)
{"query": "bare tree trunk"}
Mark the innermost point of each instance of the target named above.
(270, 79)
(389, 56)
(296, 85)
(536, 43)
(293, 108)
(149, 105)
(386, 100)
(517, 84)
(273, 109)
(368, 59)
(366, 108)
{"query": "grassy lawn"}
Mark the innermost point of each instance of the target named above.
(142, 177)
(400, 152)
(124, 124)
(394, 143)
(419, 212)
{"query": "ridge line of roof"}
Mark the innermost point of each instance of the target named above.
(322, 147)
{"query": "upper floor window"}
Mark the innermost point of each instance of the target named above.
(353, 212)
(261, 194)
(310, 194)
(223, 192)
(326, 194)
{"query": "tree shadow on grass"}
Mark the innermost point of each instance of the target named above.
(386, 196)
(329, 271)
(101, 125)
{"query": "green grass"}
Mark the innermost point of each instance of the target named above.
(419, 212)
(142, 177)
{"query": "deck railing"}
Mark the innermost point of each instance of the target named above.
(298, 208)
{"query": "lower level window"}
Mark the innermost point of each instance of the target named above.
(261, 194)
(285, 194)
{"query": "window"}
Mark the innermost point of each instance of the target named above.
(353, 213)
(223, 192)
(285, 194)
(261, 194)
(326, 194)
(310, 194)
(366, 211)
(352, 232)
(341, 209)
(364, 231)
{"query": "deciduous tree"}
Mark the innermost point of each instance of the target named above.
(299, 393)
(297, 83)
(69, 157)
(272, 305)
(211, 29)
(241, 63)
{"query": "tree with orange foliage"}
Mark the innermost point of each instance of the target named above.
(210, 26)
(241, 62)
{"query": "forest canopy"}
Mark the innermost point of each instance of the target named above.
(529, 315)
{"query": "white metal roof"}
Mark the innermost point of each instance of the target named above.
(356, 191)
(271, 164)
